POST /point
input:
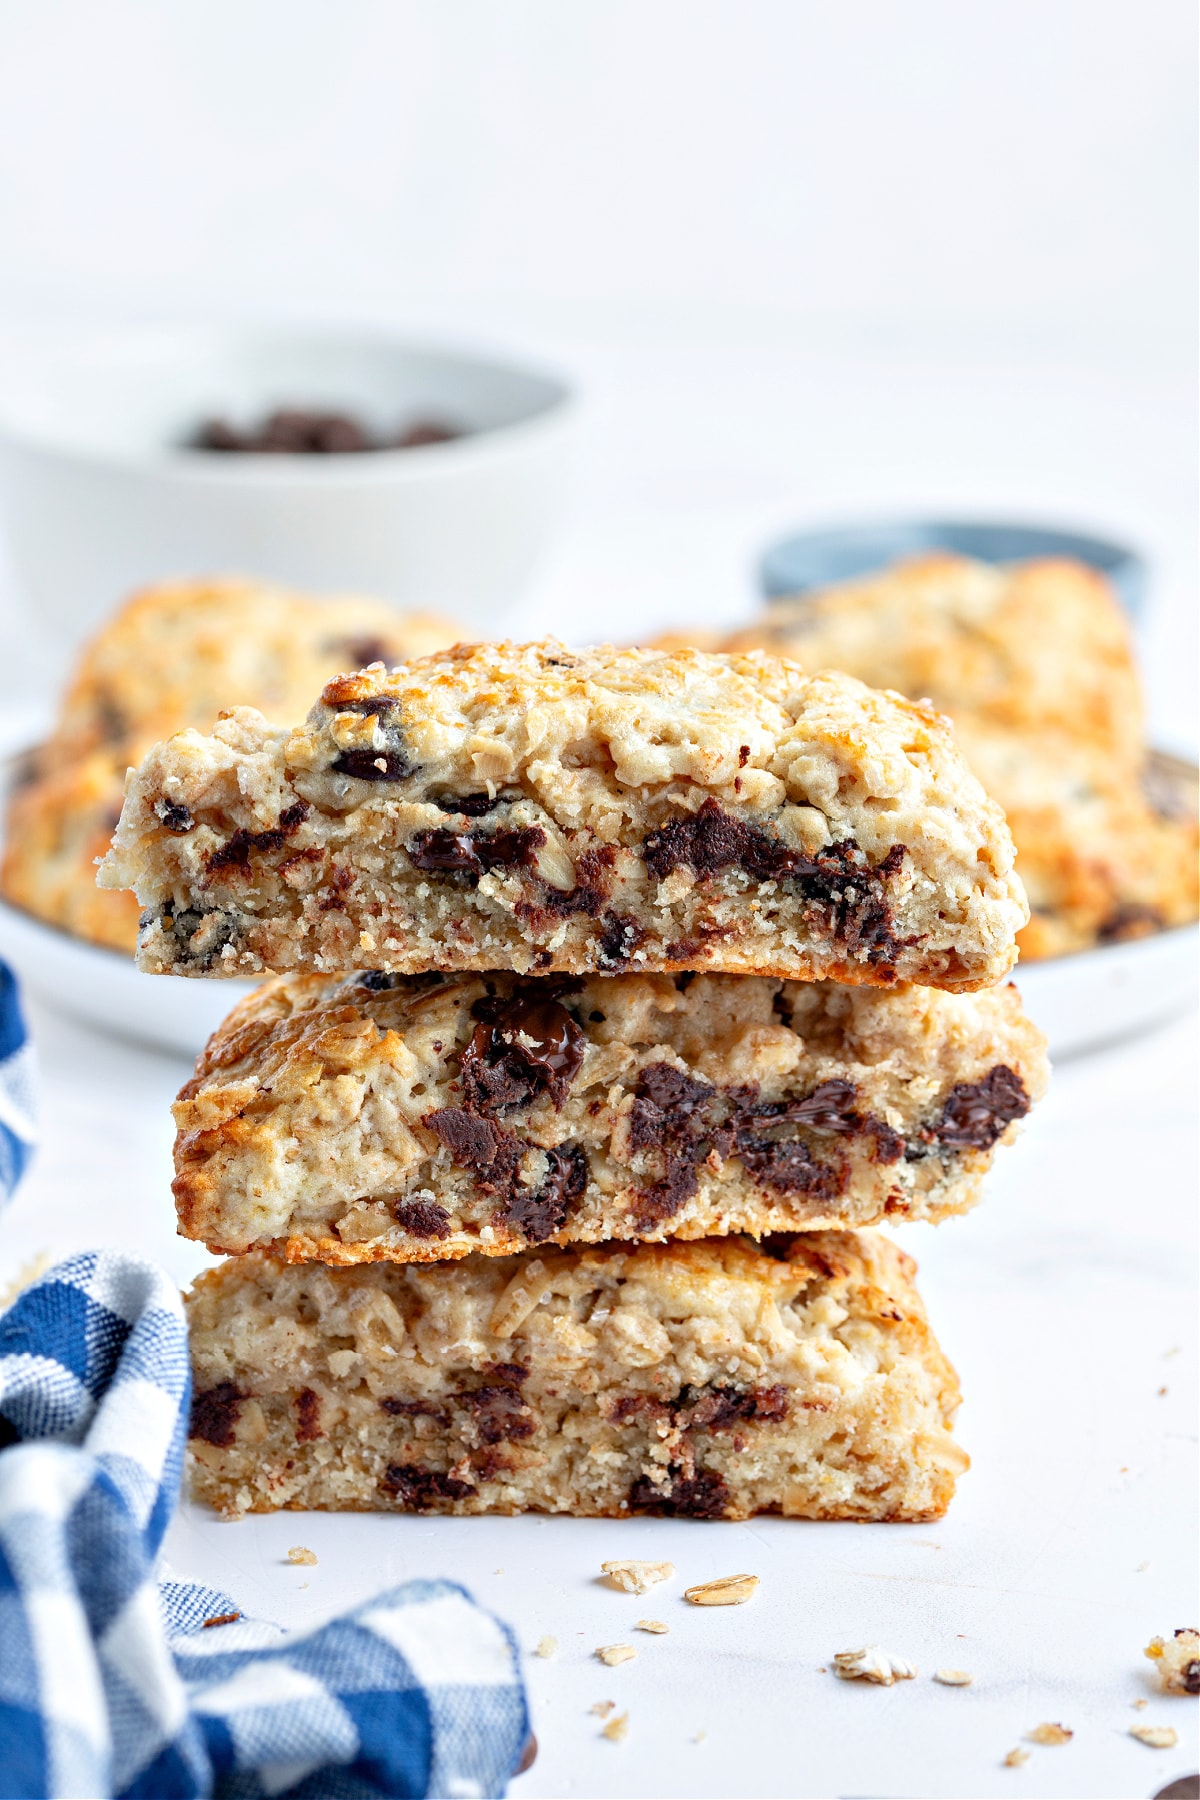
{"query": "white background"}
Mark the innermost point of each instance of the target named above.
(808, 260)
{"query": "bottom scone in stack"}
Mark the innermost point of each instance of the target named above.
(569, 1222)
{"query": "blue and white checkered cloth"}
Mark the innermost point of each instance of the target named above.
(112, 1683)
(16, 1088)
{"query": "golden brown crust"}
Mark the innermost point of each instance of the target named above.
(714, 1379)
(420, 1119)
(172, 657)
(530, 807)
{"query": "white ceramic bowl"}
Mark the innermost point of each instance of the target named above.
(99, 496)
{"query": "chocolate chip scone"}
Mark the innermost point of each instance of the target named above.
(420, 1118)
(1041, 645)
(533, 808)
(1104, 856)
(712, 1380)
(1035, 665)
(173, 657)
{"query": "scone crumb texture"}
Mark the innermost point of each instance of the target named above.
(546, 1647)
(1178, 1661)
(617, 1730)
(1015, 1758)
(302, 1556)
(637, 1577)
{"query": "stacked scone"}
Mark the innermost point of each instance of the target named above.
(614, 991)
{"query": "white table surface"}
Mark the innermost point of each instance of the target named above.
(1067, 1303)
(1067, 1300)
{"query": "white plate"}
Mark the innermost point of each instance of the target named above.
(1083, 1002)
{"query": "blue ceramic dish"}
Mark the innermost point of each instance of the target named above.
(815, 559)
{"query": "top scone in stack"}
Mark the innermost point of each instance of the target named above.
(614, 991)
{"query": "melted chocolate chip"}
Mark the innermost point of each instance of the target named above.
(846, 897)
(308, 1416)
(176, 818)
(422, 1218)
(376, 981)
(215, 1414)
(688, 1121)
(474, 852)
(374, 765)
(618, 940)
(593, 879)
(977, 1113)
(469, 806)
(499, 1413)
(237, 851)
(371, 706)
(715, 1408)
(418, 1487)
(532, 1045)
(703, 1495)
(492, 1154)
(415, 1409)
(199, 937)
(540, 1214)
(443, 850)
(789, 1167)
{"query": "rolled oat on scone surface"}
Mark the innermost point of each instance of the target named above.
(418, 1118)
(709, 1380)
(544, 810)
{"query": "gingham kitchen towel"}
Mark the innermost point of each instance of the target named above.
(112, 1684)
(16, 1087)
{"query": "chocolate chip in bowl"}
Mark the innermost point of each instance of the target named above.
(315, 431)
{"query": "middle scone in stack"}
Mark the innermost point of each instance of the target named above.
(614, 992)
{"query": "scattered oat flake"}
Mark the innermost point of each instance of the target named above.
(602, 1708)
(546, 1646)
(727, 1590)
(302, 1556)
(1139, 1705)
(1015, 1758)
(636, 1577)
(872, 1663)
(953, 1677)
(1049, 1734)
(1159, 1737)
(617, 1730)
(655, 1625)
(612, 1654)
